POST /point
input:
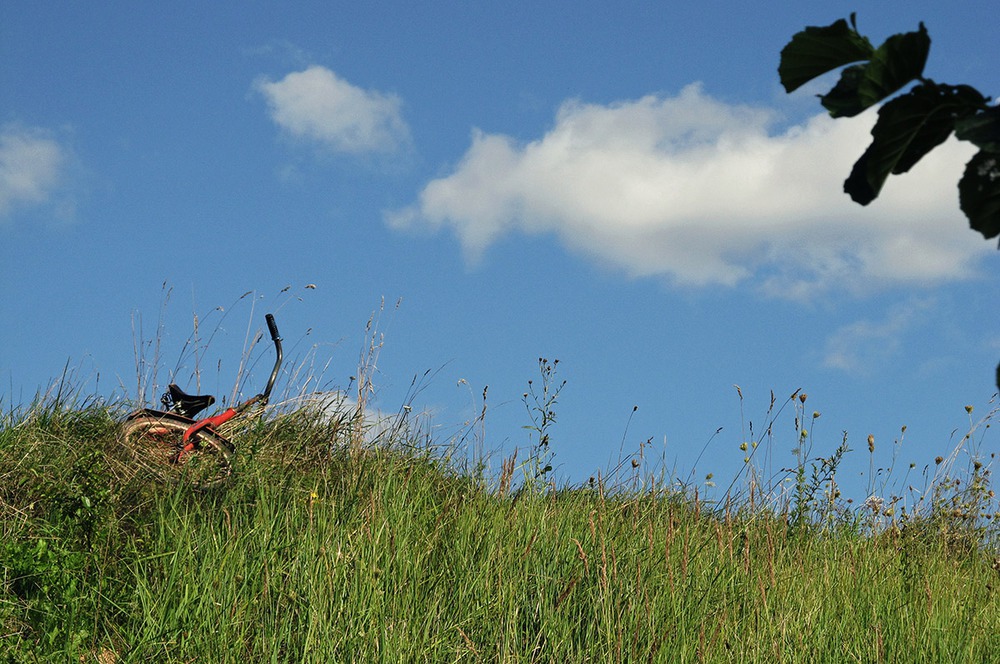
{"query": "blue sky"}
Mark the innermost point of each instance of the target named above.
(624, 188)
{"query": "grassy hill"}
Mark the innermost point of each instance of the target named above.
(323, 549)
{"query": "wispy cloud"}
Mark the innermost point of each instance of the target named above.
(699, 192)
(317, 105)
(32, 165)
(865, 345)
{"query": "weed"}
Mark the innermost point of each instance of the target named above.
(540, 405)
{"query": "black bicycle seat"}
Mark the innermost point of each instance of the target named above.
(188, 405)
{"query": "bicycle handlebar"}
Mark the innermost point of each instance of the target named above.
(276, 338)
(273, 327)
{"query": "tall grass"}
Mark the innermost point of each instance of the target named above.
(327, 545)
(317, 551)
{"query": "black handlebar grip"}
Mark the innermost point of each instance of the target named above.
(273, 327)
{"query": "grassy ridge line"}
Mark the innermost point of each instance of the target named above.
(319, 552)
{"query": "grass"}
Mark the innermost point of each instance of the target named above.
(321, 549)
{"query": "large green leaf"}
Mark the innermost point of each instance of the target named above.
(843, 101)
(979, 193)
(981, 129)
(909, 127)
(818, 50)
(899, 60)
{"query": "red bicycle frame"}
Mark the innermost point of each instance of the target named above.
(183, 403)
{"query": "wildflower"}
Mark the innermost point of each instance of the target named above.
(874, 503)
(968, 409)
(743, 447)
(871, 443)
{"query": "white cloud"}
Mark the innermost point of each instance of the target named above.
(700, 192)
(31, 167)
(317, 105)
(865, 345)
(370, 423)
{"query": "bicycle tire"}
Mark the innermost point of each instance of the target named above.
(157, 441)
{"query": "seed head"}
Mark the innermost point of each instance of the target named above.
(871, 443)
(874, 503)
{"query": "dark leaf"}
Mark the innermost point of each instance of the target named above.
(982, 129)
(857, 184)
(914, 124)
(979, 193)
(899, 60)
(818, 50)
(909, 127)
(843, 101)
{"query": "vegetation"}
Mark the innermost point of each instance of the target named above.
(909, 125)
(320, 548)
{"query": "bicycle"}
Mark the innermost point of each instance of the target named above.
(177, 443)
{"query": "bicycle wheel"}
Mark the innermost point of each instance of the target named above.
(157, 440)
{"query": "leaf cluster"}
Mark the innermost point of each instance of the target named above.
(909, 125)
